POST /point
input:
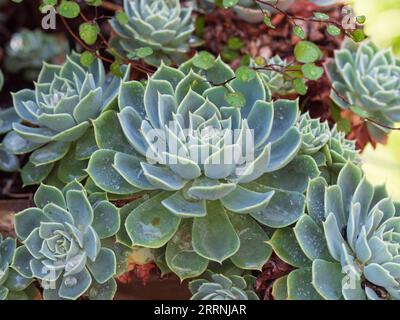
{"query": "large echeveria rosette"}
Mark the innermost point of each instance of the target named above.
(367, 79)
(351, 238)
(164, 26)
(201, 211)
(56, 120)
(64, 243)
(12, 284)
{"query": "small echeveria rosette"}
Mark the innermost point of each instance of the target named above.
(164, 26)
(350, 238)
(27, 50)
(63, 243)
(55, 120)
(367, 81)
(202, 209)
(213, 286)
(13, 286)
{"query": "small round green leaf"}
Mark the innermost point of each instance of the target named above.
(307, 52)
(299, 32)
(229, 3)
(122, 17)
(321, 16)
(69, 9)
(311, 71)
(87, 58)
(88, 32)
(300, 87)
(245, 74)
(204, 60)
(235, 99)
(333, 30)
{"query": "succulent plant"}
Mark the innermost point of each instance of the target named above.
(163, 26)
(63, 243)
(367, 80)
(57, 117)
(315, 133)
(221, 287)
(27, 50)
(329, 147)
(351, 236)
(180, 104)
(12, 284)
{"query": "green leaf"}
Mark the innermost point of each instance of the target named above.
(358, 35)
(229, 3)
(361, 19)
(299, 32)
(286, 247)
(300, 287)
(70, 168)
(245, 74)
(300, 87)
(122, 17)
(32, 175)
(105, 291)
(235, 99)
(268, 22)
(69, 9)
(115, 69)
(311, 71)
(235, 43)
(180, 256)
(307, 52)
(204, 60)
(88, 32)
(321, 16)
(151, 225)
(87, 58)
(214, 237)
(254, 252)
(144, 52)
(333, 30)
(279, 288)
(50, 2)
(327, 279)
(48, 194)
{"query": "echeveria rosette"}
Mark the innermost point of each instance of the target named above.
(278, 83)
(27, 50)
(56, 119)
(367, 80)
(315, 133)
(202, 211)
(351, 235)
(63, 243)
(164, 26)
(12, 284)
(220, 287)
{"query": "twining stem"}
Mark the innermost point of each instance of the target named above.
(292, 19)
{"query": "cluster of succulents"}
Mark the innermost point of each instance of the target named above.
(55, 125)
(366, 80)
(348, 240)
(205, 208)
(27, 50)
(164, 26)
(210, 173)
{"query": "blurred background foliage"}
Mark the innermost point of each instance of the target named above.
(383, 25)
